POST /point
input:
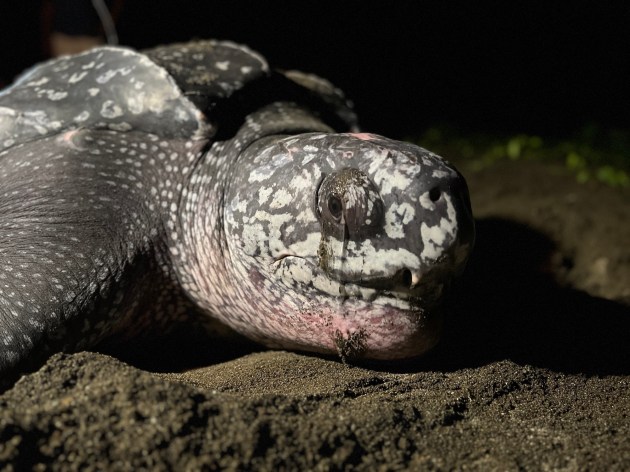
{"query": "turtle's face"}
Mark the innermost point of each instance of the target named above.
(346, 242)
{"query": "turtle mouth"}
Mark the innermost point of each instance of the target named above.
(367, 319)
(394, 292)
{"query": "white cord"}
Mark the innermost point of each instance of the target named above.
(106, 20)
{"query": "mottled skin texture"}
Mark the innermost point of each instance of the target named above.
(136, 189)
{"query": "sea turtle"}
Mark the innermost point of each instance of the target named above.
(138, 188)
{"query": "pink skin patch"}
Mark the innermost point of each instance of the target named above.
(388, 333)
(363, 136)
(67, 138)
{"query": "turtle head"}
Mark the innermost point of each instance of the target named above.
(346, 242)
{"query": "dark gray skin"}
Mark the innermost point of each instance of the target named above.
(137, 189)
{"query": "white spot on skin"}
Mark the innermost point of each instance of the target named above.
(437, 238)
(77, 77)
(37, 83)
(107, 76)
(396, 217)
(281, 198)
(304, 180)
(181, 114)
(84, 115)
(250, 237)
(56, 96)
(439, 174)
(369, 260)
(223, 65)
(309, 246)
(263, 194)
(308, 158)
(120, 126)
(388, 178)
(135, 103)
(110, 110)
(275, 222)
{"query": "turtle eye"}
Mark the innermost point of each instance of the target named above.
(334, 207)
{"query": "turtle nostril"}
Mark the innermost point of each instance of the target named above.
(434, 194)
(405, 278)
(334, 206)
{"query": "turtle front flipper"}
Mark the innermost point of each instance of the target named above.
(80, 248)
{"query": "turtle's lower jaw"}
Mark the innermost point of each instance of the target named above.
(358, 321)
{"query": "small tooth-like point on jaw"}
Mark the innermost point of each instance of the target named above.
(415, 279)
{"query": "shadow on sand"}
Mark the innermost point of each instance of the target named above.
(509, 306)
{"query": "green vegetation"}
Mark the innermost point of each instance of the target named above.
(593, 154)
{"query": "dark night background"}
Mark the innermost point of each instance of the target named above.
(496, 68)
